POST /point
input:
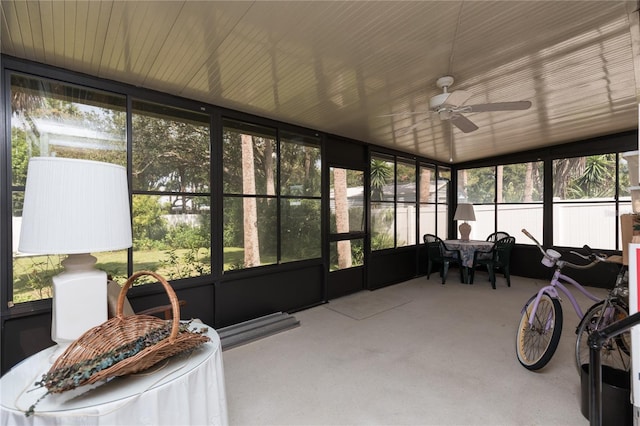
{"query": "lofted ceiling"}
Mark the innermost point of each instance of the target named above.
(344, 67)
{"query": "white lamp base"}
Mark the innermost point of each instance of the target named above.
(465, 230)
(79, 298)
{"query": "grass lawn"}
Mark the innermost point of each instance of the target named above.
(32, 274)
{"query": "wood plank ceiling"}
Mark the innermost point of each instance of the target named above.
(342, 66)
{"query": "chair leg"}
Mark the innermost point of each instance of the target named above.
(507, 275)
(472, 273)
(429, 265)
(492, 277)
(445, 270)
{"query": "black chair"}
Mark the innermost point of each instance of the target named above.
(438, 253)
(497, 236)
(498, 261)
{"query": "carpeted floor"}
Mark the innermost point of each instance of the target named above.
(416, 353)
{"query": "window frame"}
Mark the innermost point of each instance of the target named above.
(280, 137)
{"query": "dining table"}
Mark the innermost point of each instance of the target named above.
(467, 250)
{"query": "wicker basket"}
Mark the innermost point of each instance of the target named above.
(122, 345)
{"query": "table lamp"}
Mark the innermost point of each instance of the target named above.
(75, 207)
(465, 212)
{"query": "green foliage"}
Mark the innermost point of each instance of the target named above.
(596, 181)
(32, 276)
(170, 153)
(520, 182)
(357, 252)
(186, 236)
(149, 228)
(19, 163)
(19, 156)
(300, 227)
(381, 241)
(193, 262)
(480, 186)
(382, 219)
(406, 173)
(300, 169)
(381, 175)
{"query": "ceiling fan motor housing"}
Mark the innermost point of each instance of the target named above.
(444, 82)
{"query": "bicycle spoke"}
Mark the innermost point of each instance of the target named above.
(537, 337)
(615, 352)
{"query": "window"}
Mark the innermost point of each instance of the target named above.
(519, 201)
(171, 195)
(405, 203)
(393, 202)
(478, 187)
(434, 193)
(382, 181)
(506, 198)
(259, 207)
(585, 193)
(346, 205)
(300, 202)
(50, 118)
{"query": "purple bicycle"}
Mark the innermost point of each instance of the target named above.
(541, 322)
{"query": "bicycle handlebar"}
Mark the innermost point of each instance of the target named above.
(552, 257)
(525, 232)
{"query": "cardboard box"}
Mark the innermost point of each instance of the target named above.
(630, 226)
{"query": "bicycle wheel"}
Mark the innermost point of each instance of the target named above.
(616, 352)
(537, 342)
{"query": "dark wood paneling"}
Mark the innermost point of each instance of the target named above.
(391, 266)
(345, 281)
(246, 298)
(199, 302)
(343, 153)
(525, 262)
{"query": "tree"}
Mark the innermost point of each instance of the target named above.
(170, 155)
(342, 216)
(564, 170)
(499, 183)
(381, 174)
(148, 225)
(596, 179)
(268, 168)
(425, 184)
(250, 210)
(528, 184)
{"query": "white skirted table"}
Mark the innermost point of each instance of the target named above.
(187, 389)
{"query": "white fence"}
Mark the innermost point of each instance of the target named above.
(574, 224)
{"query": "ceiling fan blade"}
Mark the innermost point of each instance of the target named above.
(463, 123)
(499, 106)
(457, 98)
(403, 114)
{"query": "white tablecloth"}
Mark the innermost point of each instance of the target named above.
(187, 389)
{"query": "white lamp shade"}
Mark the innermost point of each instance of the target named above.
(74, 206)
(464, 211)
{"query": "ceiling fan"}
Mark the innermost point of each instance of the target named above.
(450, 105)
